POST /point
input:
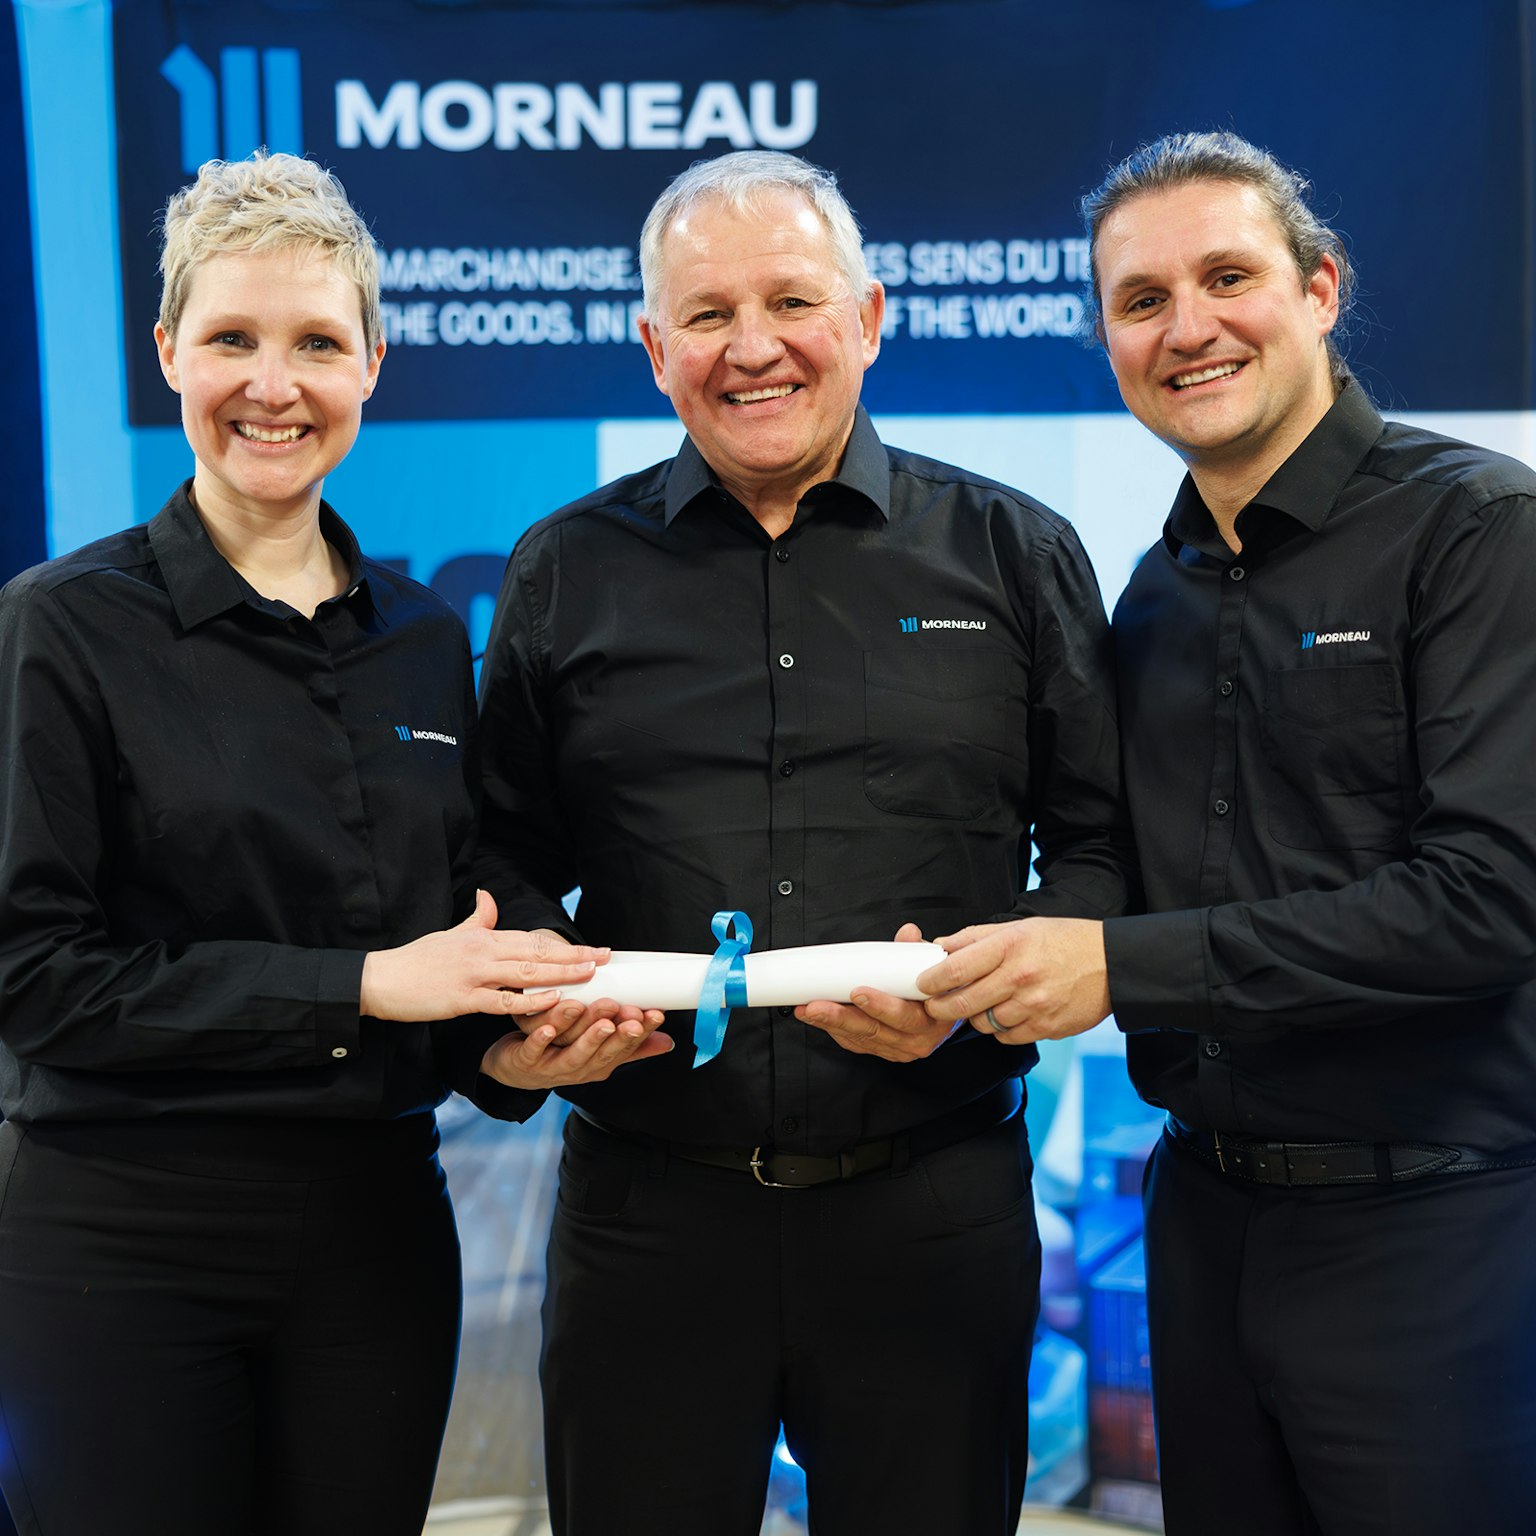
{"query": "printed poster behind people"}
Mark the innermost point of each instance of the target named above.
(506, 156)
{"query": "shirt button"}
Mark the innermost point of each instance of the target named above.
(780, 554)
(1221, 807)
(787, 767)
(786, 660)
(785, 1012)
(1213, 1048)
(789, 1124)
(1236, 573)
(339, 1051)
(1226, 688)
(786, 887)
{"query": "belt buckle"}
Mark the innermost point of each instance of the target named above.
(1260, 1162)
(758, 1162)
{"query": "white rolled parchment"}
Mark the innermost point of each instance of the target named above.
(776, 978)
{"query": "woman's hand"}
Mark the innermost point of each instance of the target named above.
(602, 1035)
(473, 968)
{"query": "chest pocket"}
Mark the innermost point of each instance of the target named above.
(1333, 750)
(936, 729)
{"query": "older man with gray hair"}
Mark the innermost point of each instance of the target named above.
(794, 672)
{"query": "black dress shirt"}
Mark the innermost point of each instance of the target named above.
(212, 807)
(852, 725)
(1329, 744)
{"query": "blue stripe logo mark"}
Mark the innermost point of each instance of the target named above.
(234, 103)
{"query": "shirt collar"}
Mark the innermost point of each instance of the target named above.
(1305, 488)
(203, 584)
(865, 470)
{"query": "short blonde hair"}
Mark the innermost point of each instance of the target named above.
(266, 203)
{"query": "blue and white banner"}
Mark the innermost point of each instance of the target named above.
(506, 155)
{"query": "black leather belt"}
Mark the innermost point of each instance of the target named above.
(800, 1170)
(1327, 1162)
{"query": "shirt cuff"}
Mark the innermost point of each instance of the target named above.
(338, 994)
(503, 1103)
(529, 915)
(1157, 973)
(460, 1046)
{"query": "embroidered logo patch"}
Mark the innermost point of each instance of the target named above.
(1310, 637)
(405, 733)
(910, 626)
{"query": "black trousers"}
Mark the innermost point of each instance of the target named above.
(1341, 1360)
(185, 1355)
(886, 1321)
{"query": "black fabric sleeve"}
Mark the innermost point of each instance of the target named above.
(1087, 859)
(526, 858)
(459, 1045)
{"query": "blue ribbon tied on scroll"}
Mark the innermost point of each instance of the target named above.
(725, 984)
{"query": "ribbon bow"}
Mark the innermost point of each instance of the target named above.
(725, 984)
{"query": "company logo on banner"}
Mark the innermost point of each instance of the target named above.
(229, 116)
(459, 115)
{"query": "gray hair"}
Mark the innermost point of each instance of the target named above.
(1181, 158)
(743, 181)
(265, 203)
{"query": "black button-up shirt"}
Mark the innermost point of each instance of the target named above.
(1329, 744)
(212, 806)
(855, 724)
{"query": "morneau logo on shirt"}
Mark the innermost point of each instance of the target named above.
(405, 733)
(912, 625)
(1310, 637)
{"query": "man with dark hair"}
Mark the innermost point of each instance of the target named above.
(1324, 679)
(832, 684)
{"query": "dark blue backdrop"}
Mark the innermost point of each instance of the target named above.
(21, 427)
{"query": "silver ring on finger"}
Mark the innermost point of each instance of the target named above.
(992, 1023)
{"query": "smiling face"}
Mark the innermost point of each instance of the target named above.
(271, 363)
(1216, 341)
(760, 346)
